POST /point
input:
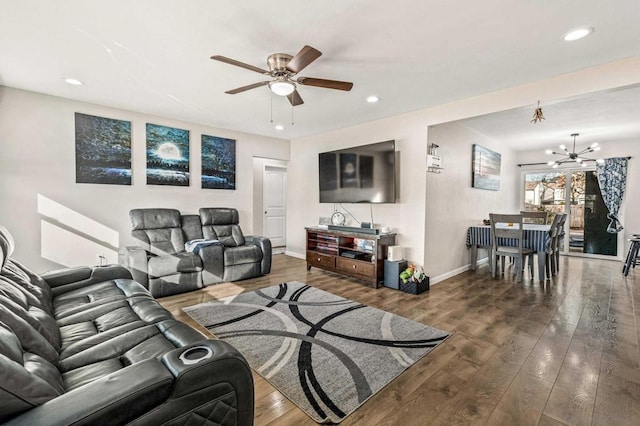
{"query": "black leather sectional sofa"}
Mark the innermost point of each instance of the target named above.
(90, 346)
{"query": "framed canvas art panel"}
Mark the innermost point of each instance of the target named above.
(167, 156)
(486, 168)
(103, 150)
(218, 162)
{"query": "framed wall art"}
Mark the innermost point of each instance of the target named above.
(485, 168)
(167, 156)
(218, 162)
(103, 150)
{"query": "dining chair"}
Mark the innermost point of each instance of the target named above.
(553, 246)
(633, 255)
(507, 237)
(559, 241)
(535, 217)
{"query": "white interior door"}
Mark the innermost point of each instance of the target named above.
(274, 204)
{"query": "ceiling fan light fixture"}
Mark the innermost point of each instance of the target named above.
(282, 87)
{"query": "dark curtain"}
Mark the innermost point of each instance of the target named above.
(612, 178)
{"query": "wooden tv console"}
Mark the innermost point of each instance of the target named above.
(358, 255)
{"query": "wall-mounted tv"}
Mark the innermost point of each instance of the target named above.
(361, 174)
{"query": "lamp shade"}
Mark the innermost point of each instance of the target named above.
(282, 88)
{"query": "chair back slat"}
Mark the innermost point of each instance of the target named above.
(513, 230)
(535, 217)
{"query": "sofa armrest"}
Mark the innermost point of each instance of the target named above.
(136, 260)
(265, 246)
(210, 373)
(212, 263)
(157, 391)
(115, 399)
(63, 280)
(66, 276)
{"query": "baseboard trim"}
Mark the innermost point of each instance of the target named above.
(295, 254)
(457, 271)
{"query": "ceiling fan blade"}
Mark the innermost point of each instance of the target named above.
(239, 64)
(245, 88)
(295, 98)
(304, 57)
(329, 84)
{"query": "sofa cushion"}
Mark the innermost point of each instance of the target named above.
(191, 227)
(222, 224)
(241, 255)
(26, 380)
(93, 295)
(124, 349)
(160, 266)
(159, 230)
(29, 283)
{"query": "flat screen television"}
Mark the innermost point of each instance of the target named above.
(361, 174)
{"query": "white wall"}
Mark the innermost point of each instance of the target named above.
(406, 217)
(453, 205)
(57, 222)
(416, 217)
(629, 215)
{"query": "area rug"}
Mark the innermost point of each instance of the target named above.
(327, 354)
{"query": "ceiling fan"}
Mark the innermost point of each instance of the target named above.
(283, 70)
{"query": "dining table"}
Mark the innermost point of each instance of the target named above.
(536, 237)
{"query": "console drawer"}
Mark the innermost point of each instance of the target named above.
(320, 260)
(355, 267)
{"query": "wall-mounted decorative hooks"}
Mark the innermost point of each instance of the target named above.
(434, 162)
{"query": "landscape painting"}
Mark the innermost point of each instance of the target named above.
(167, 156)
(218, 163)
(103, 150)
(486, 168)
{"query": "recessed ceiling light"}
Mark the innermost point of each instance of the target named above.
(73, 81)
(279, 127)
(577, 34)
(373, 99)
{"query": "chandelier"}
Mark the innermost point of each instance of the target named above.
(573, 156)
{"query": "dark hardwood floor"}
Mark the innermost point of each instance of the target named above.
(563, 352)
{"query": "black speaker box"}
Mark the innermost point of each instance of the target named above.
(392, 269)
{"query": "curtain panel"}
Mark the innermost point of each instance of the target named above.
(612, 179)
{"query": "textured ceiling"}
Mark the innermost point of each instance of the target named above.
(153, 56)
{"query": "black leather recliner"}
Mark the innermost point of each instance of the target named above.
(86, 346)
(161, 263)
(238, 257)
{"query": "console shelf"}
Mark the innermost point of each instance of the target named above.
(358, 255)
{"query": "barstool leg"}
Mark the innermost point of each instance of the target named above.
(631, 256)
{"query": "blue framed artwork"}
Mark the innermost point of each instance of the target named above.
(486, 168)
(218, 163)
(103, 150)
(167, 156)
